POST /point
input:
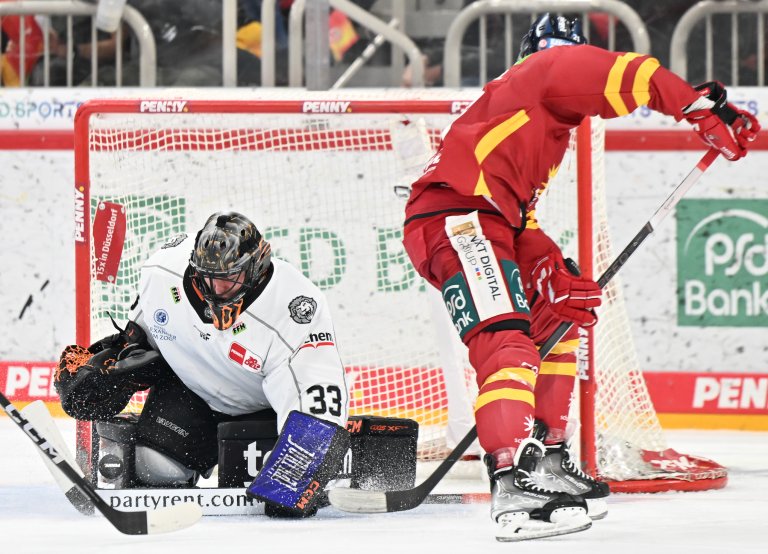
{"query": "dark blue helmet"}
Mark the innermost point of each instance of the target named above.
(551, 30)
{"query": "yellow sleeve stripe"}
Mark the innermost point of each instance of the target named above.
(519, 374)
(641, 88)
(566, 347)
(491, 140)
(481, 188)
(504, 394)
(558, 368)
(613, 85)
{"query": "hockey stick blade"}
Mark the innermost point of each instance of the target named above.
(365, 501)
(39, 416)
(163, 520)
(359, 501)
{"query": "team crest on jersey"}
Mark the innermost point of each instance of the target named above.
(239, 328)
(161, 317)
(245, 358)
(176, 295)
(302, 309)
(174, 241)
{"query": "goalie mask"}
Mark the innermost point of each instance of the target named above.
(551, 30)
(229, 260)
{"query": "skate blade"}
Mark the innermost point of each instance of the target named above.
(537, 529)
(597, 508)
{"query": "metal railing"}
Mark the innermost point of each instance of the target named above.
(704, 11)
(482, 8)
(74, 8)
(296, 40)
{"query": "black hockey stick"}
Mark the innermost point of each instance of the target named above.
(363, 501)
(162, 520)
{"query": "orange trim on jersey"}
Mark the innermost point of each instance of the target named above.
(641, 88)
(613, 84)
(504, 394)
(491, 140)
(519, 374)
(558, 368)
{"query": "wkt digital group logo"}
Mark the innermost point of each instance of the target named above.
(722, 262)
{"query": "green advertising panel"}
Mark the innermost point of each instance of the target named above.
(722, 263)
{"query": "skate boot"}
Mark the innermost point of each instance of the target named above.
(561, 473)
(525, 510)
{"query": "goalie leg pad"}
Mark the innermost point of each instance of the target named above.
(383, 452)
(117, 453)
(308, 453)
(124, 464)
(242, 449)
(155, 469)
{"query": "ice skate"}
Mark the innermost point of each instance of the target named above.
(559, 472)
(524, 510)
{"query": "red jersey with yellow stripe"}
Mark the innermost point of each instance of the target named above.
(509, 143)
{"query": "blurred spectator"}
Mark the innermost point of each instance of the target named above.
(249, 38)
(189, 48)
(11, 29)
(187, 37)
(471, 54)
(661, 19)
(82, 51)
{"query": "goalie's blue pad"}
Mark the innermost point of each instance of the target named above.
(308, 453)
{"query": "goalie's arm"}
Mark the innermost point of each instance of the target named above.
(312, 379)
(97, 382)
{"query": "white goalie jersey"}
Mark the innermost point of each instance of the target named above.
(280, 353)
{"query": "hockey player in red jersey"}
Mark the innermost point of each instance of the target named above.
(471, 231)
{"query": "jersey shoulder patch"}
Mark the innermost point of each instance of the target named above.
(302, 309)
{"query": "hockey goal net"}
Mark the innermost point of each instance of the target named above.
(324, 176)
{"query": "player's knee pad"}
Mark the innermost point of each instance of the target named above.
(123, 464)
(242, 449)
(383, 453)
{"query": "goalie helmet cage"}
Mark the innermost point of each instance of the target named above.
(319, 173)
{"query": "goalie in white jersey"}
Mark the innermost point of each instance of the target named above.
(244, 331)
(222, 332)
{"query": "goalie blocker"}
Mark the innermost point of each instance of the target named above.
(372, 452)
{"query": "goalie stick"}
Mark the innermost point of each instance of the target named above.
(131, 523)
(39, 416)
(365, 501)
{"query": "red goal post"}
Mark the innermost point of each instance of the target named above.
(320, 174)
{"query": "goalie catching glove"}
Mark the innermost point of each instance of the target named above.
(719, 123)
(571, 297)
(97, 382)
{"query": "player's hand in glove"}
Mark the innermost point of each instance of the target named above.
(571, 297)
(719, 123)
(97, 382)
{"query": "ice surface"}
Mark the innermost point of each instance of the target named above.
(36, 518)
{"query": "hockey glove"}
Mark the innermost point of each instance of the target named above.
(720, 124)
(571, 297)
(97, 382)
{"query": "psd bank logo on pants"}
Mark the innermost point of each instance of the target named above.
(722, 262)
